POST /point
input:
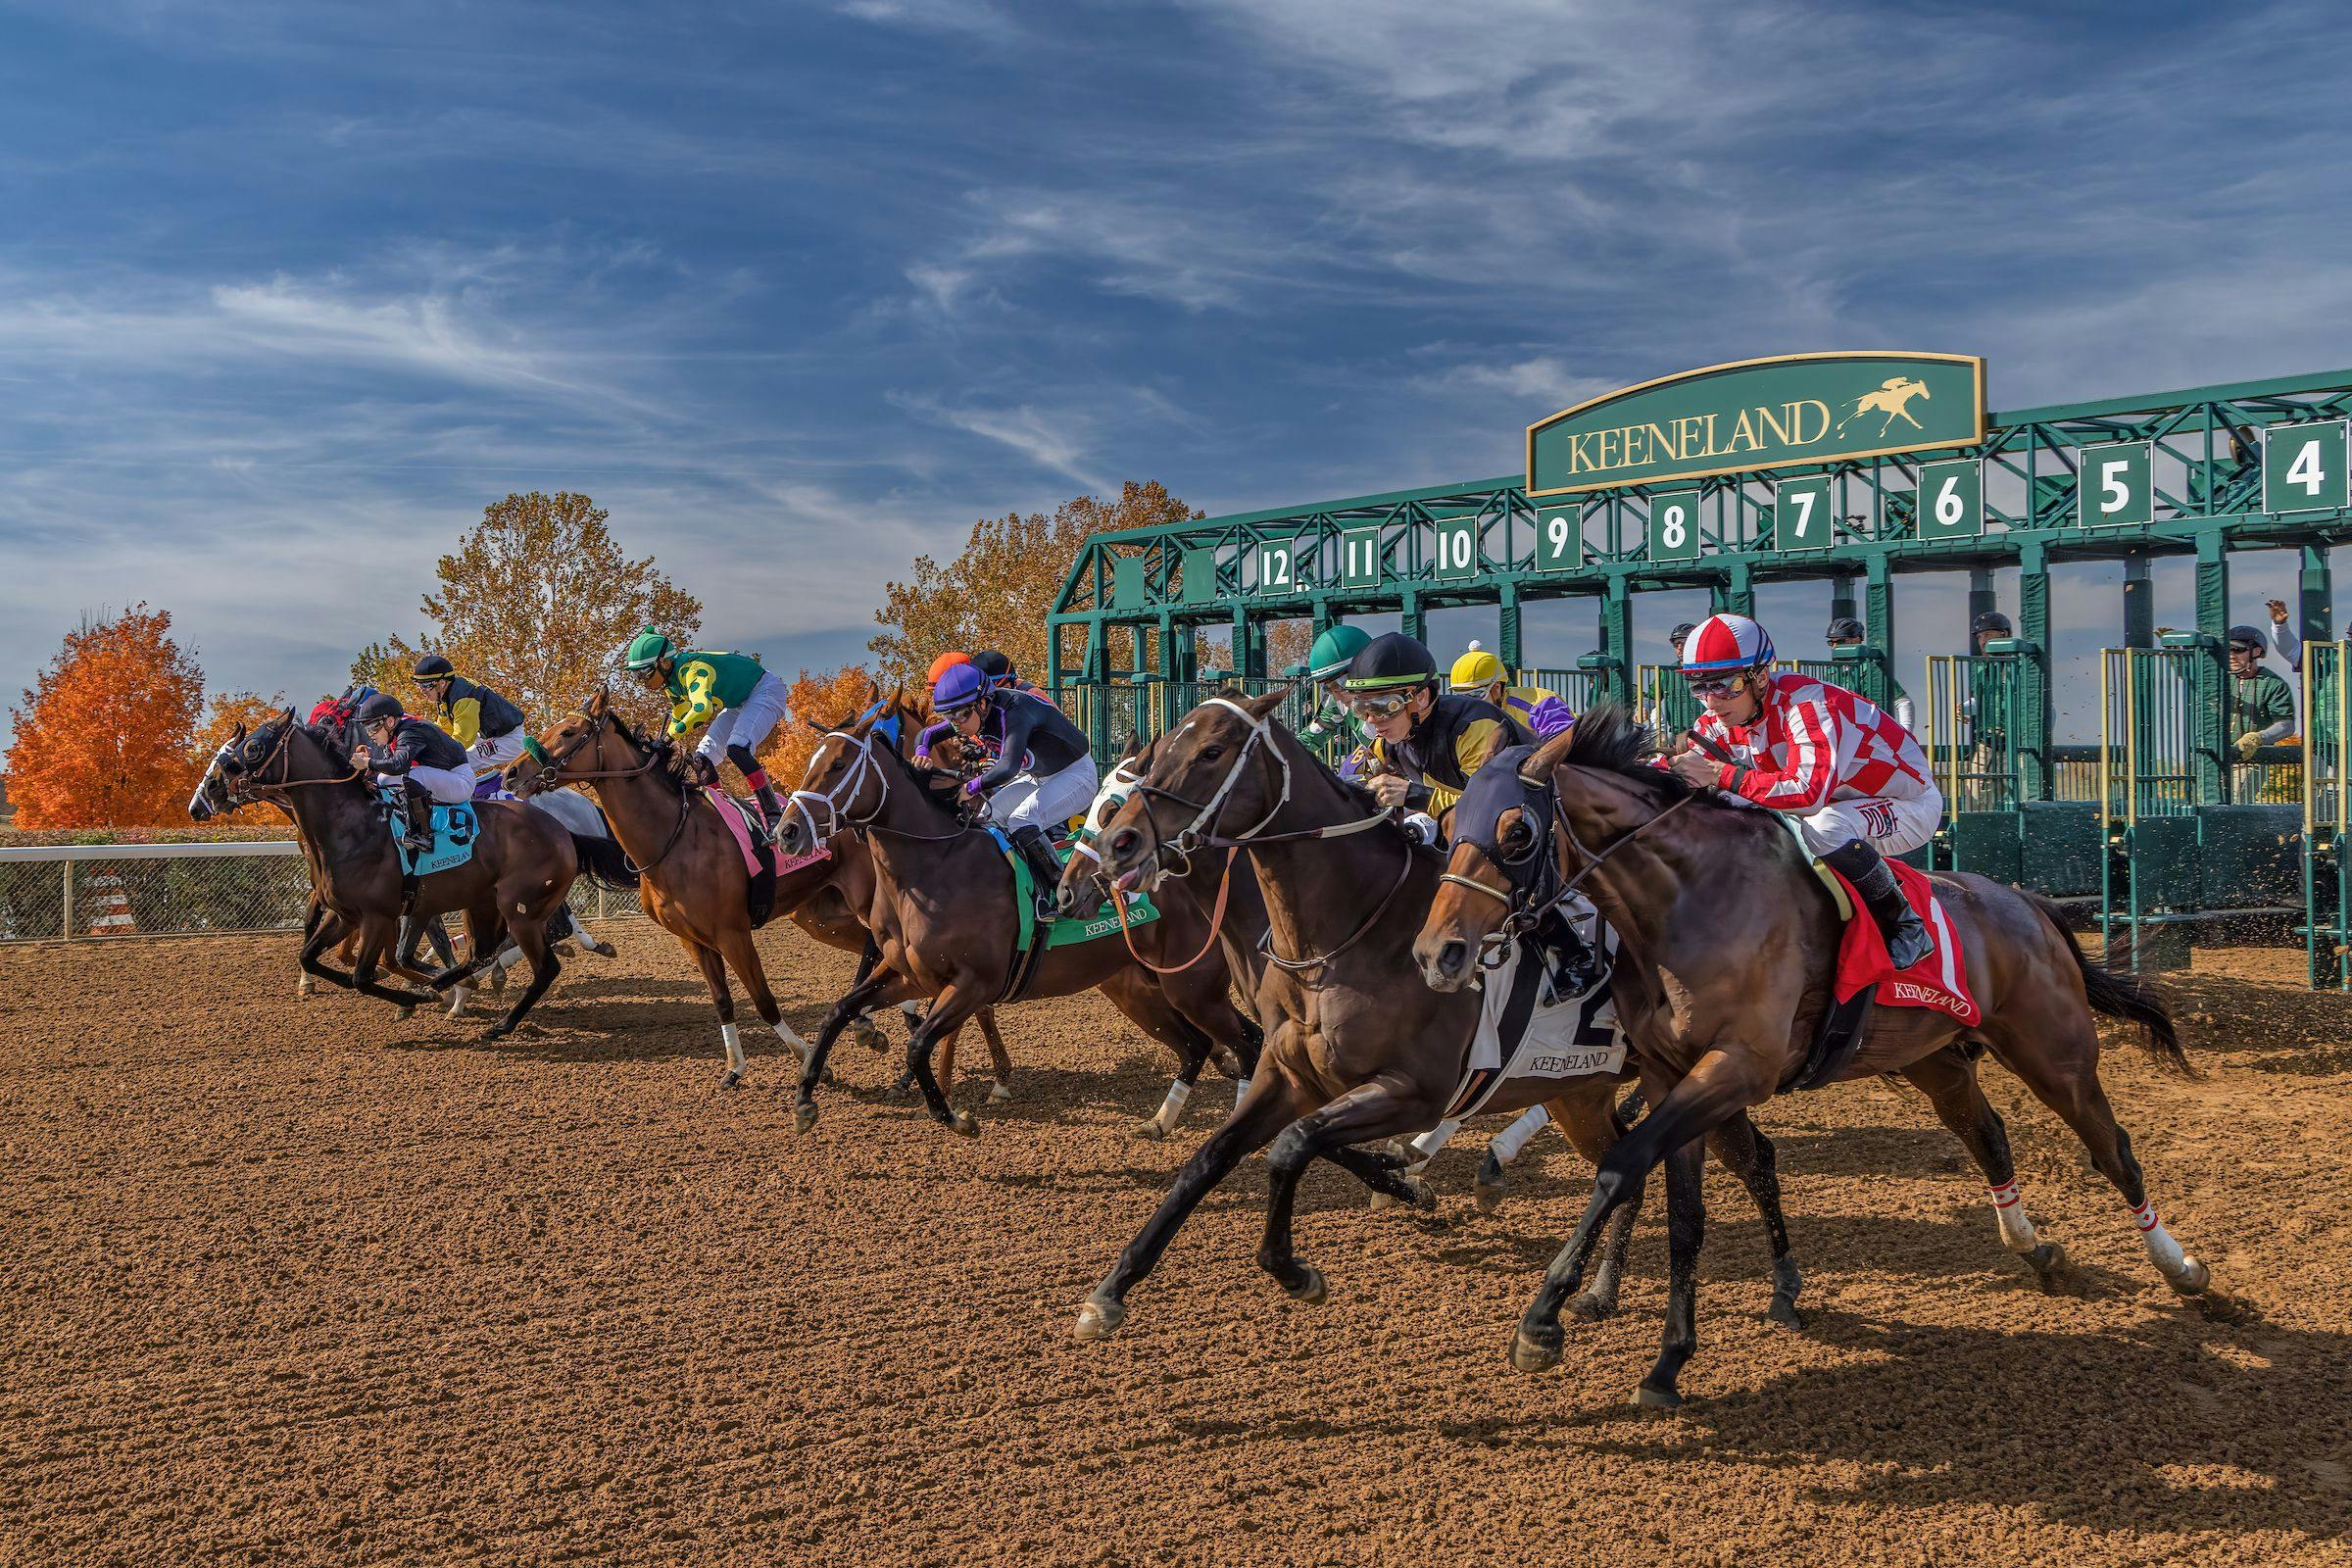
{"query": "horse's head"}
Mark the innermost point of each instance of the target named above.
(1220, 772)
(1500, 866)
(215, 792)
(275, 752)
(846, 781)
(592, 739)
(1082, 887)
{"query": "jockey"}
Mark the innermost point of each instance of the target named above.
(420, 757)
(1430, 743)
(1857, 781)
(486, 724)
(1540, 712)
(740, 702)
(1846, 632)
(1045, 776)
(1334, 649)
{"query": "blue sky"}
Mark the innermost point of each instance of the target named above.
(288, 291)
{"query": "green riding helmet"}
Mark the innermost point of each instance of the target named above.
(1334, 651)
(646, 649)
(1392, 662)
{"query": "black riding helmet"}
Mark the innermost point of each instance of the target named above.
(995, 665)
(1845, 630)
(1682, 637)
(1389, 662)
(1992, 620)
(380, 707)
(2248, 637)
(432, 666)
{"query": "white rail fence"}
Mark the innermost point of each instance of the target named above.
(102, 892)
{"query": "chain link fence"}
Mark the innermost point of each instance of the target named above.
(101, 892)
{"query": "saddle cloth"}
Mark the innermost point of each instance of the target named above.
(1059, 932)
(759, 853)
(1526, 1032)
(455, 830)
(1940, 981)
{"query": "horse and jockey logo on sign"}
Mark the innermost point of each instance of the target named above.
(1889, 398)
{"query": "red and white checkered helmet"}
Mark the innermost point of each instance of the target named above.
(1723, 643)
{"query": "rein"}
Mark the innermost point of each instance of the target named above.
(837, 807)
(551, 768)
(1216, 921)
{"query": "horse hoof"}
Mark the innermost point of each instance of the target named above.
(1381, 1200)
(964, 1124)
(1587, 1307)
(457, 1001)
(1098, 1319)
(2051, 1270)
(803, 1119)
(1532, 1353)
(1151, 1132)
(1311, 1286)
(498, 1031)
(2192, 1278)
(1419, 1194)
(1490, 1199)
(1653, 1396)
(1782, 1311)
(868, 1036)
(732, 1078)
(405, 1012)
(999, 1094)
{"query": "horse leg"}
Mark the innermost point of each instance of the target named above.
(531, 936)
(876, 987)
(1949, 1081)
(1717, 1087)
(1271, 1104)
(1364, 1114)
(959, 1001)
(862, 1026)
(375, 935)
(1748, 1155)
(2064, 1075)
(715, 976)
(1503, 1149)
(1589, 1123)
(742, 954)
(999, 1062)
(1685, 1233)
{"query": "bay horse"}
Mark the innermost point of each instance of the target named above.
(703, 904)
(1728, 942)
(943, 916)
(521, 869)
(1357, 1048)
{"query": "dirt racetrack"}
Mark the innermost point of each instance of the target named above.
(296, 1282)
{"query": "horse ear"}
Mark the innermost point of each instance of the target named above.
(1264, 703)
(1134, 746)
(873, 691)
(1547, 758)
(601, 700)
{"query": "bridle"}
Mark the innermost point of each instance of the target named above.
(245, 782)
(838, 798)
(551, 770)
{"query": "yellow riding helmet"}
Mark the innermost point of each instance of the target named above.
(1474, 670)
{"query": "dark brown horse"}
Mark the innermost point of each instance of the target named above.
(1728, 940)
(1357, 1049)
(520, 871)
(944, 918)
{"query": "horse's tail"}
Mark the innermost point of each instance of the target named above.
(2119, 994)
(603, 864)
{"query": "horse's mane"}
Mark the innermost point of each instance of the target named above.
(1611, 739)
(673, 761)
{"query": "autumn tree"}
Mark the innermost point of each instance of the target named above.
(104, 736)
(997, 593)
(828, 696)
(228, 711)
(535, 604)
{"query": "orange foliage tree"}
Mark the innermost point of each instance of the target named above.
(104, 736)
(227, 711)
(825, 698)
(997, 593)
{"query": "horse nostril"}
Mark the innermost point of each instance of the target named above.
(1451, 957)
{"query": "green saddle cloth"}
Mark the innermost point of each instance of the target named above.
(1061, 932)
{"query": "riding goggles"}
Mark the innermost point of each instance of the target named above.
(1714, 685)
(1379, 705)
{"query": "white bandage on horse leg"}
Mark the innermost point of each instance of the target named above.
(799, 1045)
(1172, 1107)
(2163, 1250)
(2009, 1211)
(735, 1056)
(1241, 1090)
(457, 999)
(1437, 1138)
(1512, 1138)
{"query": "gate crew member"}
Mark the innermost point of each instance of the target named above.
(1044, 778)
(423, 758)
(2261, 711)
(1541, 713)
(485, 723)
(740, 702)
(1846, 632)
(1857, 781)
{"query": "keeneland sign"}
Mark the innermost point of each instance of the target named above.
(1801, 409)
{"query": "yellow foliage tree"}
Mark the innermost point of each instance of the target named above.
(104, 736)
(536, 603)
(997, 593)
(825, 698)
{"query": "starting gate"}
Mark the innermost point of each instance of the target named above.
(2327, 823)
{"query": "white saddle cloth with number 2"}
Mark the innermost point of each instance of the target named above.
(1565, 1037)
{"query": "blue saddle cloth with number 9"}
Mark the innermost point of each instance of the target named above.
(455, 829)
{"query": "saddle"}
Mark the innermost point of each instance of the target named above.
(1061, 932)
(456, 828)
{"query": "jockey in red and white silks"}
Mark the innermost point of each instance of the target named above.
(1854, 778)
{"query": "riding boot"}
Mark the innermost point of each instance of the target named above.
(1908, 939)
(421, 818)
(769, 807)
(1038, 851)
(1577, 965)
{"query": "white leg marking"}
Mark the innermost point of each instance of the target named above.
(735, 1056)
(2009, 1209)
(1437, 1138)
(1241, 1090)
(799, 1045)
(1172, 1107)
(1512, 1138)
(457, 999)
(2163, 1250)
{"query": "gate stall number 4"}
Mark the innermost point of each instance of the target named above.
(2304, 468)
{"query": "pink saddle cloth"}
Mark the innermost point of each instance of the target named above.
(737, 814)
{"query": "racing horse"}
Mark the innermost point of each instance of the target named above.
(522, 866)
(698, 895)
(942, 909)
(1357, 1048)
(1728, 945)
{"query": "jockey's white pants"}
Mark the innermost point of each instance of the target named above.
(1025, 800)
(492, 753)
(750, 725)
(1892, 827)
(446, 784)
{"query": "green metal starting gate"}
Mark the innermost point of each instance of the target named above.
(2327, 817)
